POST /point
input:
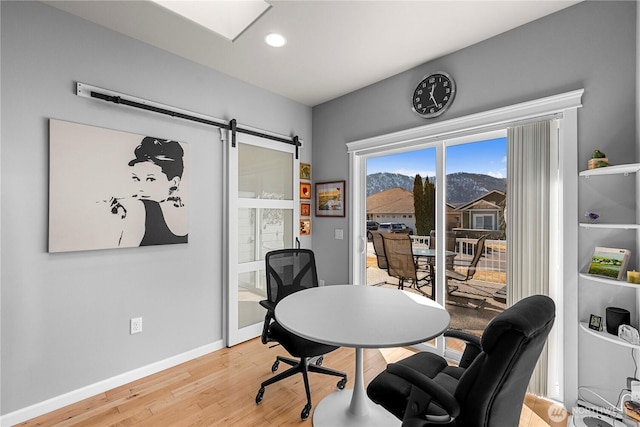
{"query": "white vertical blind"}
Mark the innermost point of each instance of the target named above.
(528, 201)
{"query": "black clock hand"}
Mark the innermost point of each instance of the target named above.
(431, 95)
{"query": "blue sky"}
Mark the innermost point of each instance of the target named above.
(485, 157)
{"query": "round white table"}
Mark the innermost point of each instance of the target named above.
(359, 317)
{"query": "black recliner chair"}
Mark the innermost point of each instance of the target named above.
(289, 271)
(487, 389)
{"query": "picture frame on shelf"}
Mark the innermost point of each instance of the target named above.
(305, 190)
(305, 171)
(330, 199)
(595, 322)
(610, 263)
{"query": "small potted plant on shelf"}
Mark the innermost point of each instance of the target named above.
(598, 160)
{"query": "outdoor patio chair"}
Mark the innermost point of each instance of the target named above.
(401, 262)
(450, 243)
(465, 278)
(381, 259)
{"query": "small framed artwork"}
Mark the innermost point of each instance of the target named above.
(305, 227)
(595, 322)
(305, 190)
(610, 263)
(305, 209)
(305, 171)
(330, 199)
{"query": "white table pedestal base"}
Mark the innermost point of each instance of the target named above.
(334, 411)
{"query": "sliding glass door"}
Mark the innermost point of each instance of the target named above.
(263, 202)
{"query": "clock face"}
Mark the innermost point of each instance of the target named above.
(433, 95)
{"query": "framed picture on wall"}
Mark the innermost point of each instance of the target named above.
(305, 190)
(305, 171)
(305, 209)
(305, 227)
(330, 199)
(115, 189)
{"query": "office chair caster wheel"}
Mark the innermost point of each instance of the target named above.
(342, 383)
(305, 412)
(319, 361)
(260, 395)
(275, 365)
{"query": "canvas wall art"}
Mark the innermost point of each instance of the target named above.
(115, 189)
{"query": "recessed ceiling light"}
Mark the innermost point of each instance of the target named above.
(275, 40)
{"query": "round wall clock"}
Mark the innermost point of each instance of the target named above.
(433, 95)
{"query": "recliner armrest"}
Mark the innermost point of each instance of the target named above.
(438, 393)
(472, 348)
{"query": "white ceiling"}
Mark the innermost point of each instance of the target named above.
(334, 47)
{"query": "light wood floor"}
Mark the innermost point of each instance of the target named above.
(219, 389)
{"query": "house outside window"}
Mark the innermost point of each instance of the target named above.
(483, 222)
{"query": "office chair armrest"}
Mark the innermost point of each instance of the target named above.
(268, 305)
(426, 385)
(267, 319)
(472, 348)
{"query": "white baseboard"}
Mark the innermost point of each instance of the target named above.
(74, 396)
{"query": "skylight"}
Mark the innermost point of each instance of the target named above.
(224, 17)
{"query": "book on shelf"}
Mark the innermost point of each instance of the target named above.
(609, 262)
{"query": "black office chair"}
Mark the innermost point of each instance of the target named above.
(487, 389)
(289, 271)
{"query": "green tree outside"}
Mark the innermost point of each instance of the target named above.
(419, 207)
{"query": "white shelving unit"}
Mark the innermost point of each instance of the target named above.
(613, 170)
(602, 287)
(611, 282)
(604, 335)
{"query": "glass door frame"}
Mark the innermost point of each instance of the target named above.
(563, 373)
(233, 333)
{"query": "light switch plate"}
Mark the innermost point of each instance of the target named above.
(339, 234)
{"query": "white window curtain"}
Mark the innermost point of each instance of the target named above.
(528, 213)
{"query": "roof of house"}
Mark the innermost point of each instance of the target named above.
(481, 204)
(493, 197)
(394, 200)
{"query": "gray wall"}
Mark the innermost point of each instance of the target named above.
(591, 45)
(65, 316)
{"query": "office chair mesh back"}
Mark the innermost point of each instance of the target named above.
(289, 271)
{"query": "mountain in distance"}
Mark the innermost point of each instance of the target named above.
(462, 187)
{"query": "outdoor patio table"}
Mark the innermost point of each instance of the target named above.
(430, 256)
(360, 317)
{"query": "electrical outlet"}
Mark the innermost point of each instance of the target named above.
(629, 379)
(135, 325)
(635, 391)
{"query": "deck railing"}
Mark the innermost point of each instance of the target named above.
(492, 266)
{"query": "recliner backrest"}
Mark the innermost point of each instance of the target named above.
(492, 389)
